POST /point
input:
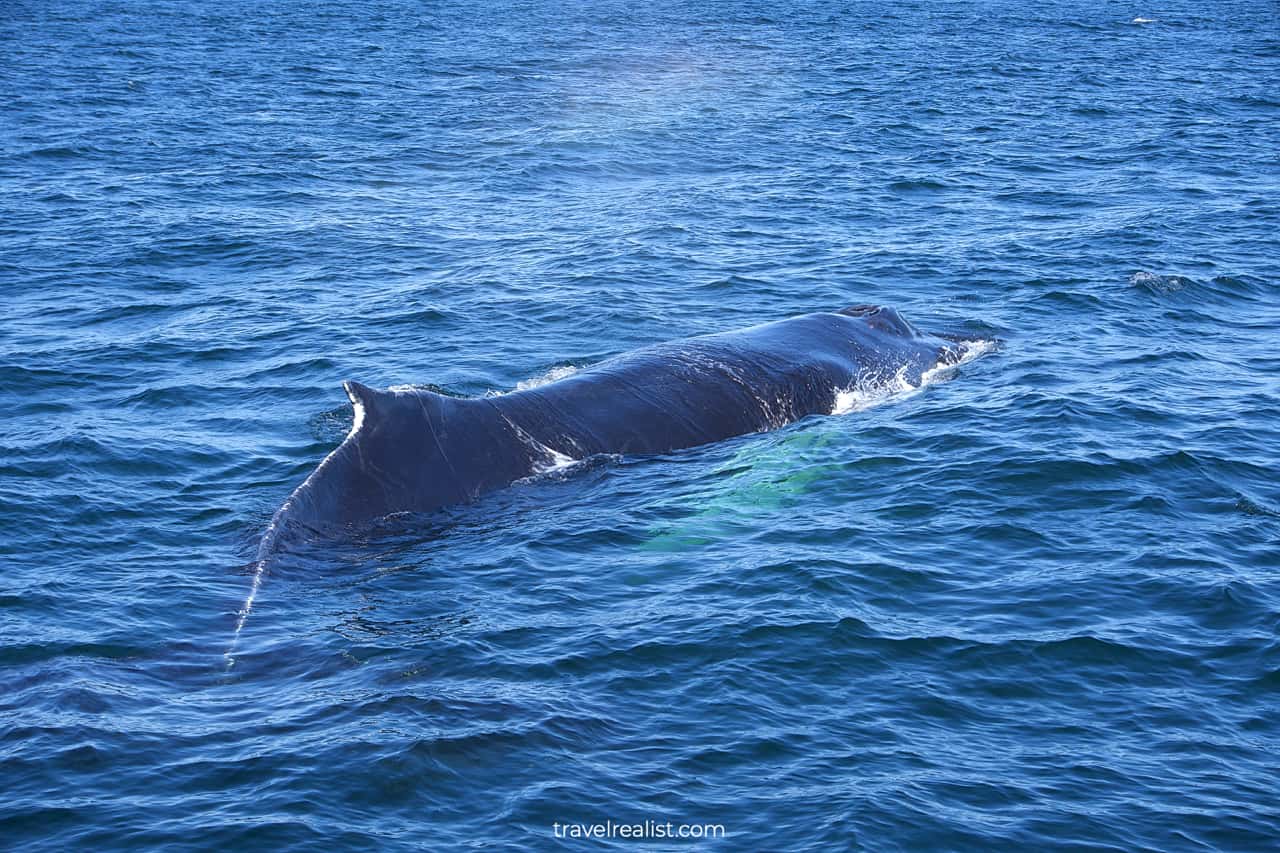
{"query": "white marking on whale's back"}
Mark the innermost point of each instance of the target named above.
(545, 459)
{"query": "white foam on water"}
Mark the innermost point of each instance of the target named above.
(553, 375)
(871, 391)
(1159, 283)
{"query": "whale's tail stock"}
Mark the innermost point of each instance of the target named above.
(292, 518)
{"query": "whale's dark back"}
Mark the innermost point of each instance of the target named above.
(699, 390)
(416, 451)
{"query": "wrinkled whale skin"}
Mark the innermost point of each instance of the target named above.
(416, 451)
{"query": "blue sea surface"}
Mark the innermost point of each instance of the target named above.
(1034, 606)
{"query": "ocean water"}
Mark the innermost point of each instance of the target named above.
(1034, 606)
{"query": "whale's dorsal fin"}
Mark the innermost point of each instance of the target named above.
(367, 402)
(361, 394)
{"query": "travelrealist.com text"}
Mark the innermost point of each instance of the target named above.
(643, 830)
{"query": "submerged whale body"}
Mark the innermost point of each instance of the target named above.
(416, 451)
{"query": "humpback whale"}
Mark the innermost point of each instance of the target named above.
(414, 451)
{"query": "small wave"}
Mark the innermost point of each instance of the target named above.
(871, 391)
(907, 185)
(1249, 506)
(1159, 283)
